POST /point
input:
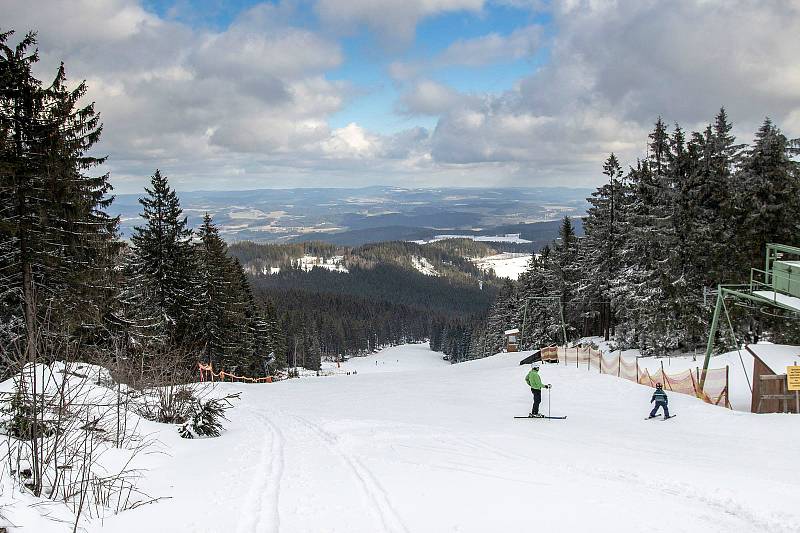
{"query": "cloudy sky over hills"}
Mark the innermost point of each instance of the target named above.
(244, 94)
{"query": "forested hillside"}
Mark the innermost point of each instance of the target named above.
(449, 257)
(373, 295)
(695, 211)
(539, 233)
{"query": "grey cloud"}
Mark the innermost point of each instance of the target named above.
(394, 21)
(426, 97)
(492, 48)
(477, 52)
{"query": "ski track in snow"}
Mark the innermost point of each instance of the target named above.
(381, 505)
(263, 498)
(753, 520)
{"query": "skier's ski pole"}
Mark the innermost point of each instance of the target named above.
(548, 401)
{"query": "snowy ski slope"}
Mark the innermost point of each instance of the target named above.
(413, 444)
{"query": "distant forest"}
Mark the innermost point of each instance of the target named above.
(382, 299)
(538, 233)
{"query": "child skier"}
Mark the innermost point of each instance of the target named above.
(534, 381)
(660, 397)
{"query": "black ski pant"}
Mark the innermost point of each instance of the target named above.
(655, 409)
(537, 399)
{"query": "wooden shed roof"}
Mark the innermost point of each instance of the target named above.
(776, 356)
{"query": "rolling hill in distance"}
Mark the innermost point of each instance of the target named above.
(357, 216)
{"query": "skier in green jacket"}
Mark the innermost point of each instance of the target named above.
(534, 381)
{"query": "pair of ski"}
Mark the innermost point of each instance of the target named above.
(564, 417)
(665, 418)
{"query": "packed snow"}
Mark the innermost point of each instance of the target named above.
(505, 265)
(412, 444)
(783, 299)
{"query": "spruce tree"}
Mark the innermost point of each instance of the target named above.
(57, 244)
(770, 200)
(161, 264)
(603, 230)
(214, 284)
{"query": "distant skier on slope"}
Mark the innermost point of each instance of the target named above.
(660, 397)
(534, 381)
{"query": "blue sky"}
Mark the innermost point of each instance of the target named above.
(241, 94)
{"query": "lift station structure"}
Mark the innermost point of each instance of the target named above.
(777, 285)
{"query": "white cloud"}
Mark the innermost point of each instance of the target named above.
(351, 141)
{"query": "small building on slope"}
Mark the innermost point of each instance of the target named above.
(770, 389)
(512, 339)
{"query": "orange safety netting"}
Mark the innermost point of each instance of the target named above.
(207, 374)
(549, 354)
(686, 382)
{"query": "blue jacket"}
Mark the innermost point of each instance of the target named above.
(659, 396)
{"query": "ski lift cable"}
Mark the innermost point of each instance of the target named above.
(736, 343)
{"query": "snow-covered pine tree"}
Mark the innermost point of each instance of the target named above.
(603, 229)
(160, 289)
(720, 210)
(435, 334)
(313, 350)
(241, 317)
(502, 316)
(648, 254)
(565, 267)
(57, 243)
(274, 340)
(214, 282)
(540, 323)
(770, 194)
(686, 280)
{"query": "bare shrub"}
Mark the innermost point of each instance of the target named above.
(58, 423)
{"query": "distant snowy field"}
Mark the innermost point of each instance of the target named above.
(508, 238)
(412, 444)
(505, 265)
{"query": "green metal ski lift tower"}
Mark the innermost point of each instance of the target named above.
(778, 285)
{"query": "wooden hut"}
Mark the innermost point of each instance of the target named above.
(770, 389)
(512, 339)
